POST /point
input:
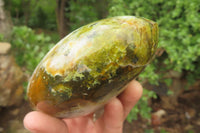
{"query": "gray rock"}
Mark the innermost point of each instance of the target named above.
(5, 22)
(4, 47)
(11, 79)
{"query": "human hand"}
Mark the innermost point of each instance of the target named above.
(115, 112)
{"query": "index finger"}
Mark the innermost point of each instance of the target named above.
(130, 96)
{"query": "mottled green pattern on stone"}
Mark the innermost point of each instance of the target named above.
(92, 64)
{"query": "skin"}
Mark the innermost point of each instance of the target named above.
(115, 112)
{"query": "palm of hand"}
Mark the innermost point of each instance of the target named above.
(111, 121)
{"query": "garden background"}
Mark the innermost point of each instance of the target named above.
(170, 102)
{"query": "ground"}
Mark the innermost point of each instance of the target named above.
(180, 117)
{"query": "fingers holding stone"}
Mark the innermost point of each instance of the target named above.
(130, 96)
(38, 122)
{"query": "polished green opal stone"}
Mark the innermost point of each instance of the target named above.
(91, 65)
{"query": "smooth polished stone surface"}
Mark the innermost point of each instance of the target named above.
(91, 65)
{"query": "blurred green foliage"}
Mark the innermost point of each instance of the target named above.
(179, 24)
(29, 47)
(81, 12)
(1, 37)
(179, 38)
(179, 32)
(149, 131)
(152, 131)
(33, 13)
(43, 16)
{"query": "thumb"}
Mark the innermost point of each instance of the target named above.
(38, 122)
